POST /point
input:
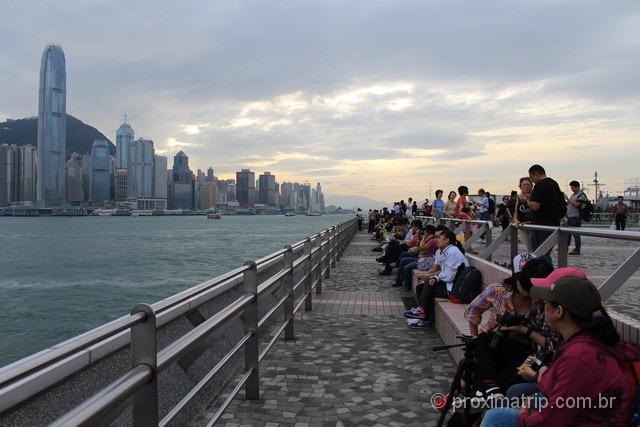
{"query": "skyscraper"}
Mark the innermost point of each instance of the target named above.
(267, 189)
(52, 127)
(182, 184)
(246, 188)
(124, 138)
(140, 169)
(28, 157)
(181, 171)
(8, 174)
(100, 181)
(73, 184)
(160, 177)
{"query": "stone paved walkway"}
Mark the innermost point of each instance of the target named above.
(354, 360)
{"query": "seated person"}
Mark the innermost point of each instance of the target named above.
(396, 248)
(500, 349)
(588, 366)
(440, 277)
(425, 257)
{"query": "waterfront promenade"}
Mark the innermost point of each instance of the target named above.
(354, 360)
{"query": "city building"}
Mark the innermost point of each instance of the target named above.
(181, 171)
(208, 195)
(210, 175)
(9, 176)
(73, 180)
(121, 183)
(182, 185)
(246, 188)
(160, 176)
(86, 173)
(52, 128)
(267, 189)
(100, 178)
(140, 169)
(124, 139)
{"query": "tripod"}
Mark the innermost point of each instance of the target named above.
(464, 371)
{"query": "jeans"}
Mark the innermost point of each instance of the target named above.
(537, 238)
(521, 389)
(575, 221)
(621, 222)
(485, 216)
(405, 260)
(501, 417)
(427, 297)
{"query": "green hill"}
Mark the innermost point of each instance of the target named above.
(80, 136)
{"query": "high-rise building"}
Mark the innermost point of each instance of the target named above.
(160, 177)
(140, 169)
(267, 191)
(124, 138)
(122, 185)
(181, 171)
(73, 180)
(100, 180)
(208, 195)
(246, 188)
(52, 127)
(86, 175)
(9, 174)
(210, 175)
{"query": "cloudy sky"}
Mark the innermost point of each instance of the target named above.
(384, 99)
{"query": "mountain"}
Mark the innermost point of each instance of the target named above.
(354, 202)
(80, 136)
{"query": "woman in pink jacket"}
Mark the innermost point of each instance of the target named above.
(585, 384)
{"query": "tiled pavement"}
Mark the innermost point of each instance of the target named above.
(354, 361)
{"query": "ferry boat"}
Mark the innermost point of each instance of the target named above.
(213, 215)
(314, 214)
(290, 214)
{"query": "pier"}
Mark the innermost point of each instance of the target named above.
(308, 335)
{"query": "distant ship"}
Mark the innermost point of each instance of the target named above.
(314, 214)
(213, 215)
(290, 214)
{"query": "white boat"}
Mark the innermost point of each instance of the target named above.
(290, 214)
(314, 214)
(213, 215)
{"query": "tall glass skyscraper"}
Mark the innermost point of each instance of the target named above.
(140, 169)
(100, 174)
(246, 188)
(124, 138)
(52, 127)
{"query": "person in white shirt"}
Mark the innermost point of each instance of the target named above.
(449, 257)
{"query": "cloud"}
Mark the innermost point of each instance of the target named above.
(379, 99)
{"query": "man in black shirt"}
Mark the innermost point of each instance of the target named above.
(546, 202)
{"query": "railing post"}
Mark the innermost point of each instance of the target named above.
(339, 238)
(290, 301)
(250, 284)
(514, 242)
(308, 270)
(320, 264)
(332, 246)
(144, 352)
(563, 248)
(327, 254)
(488, 238)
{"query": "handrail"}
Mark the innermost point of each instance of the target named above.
(110, 401)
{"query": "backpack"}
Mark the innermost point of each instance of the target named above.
(559, 207)
(467, 285)
(632, 376)
(492, 206)
(586, 212)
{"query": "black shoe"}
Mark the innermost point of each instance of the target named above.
(382, 259)
(385, 272)
(378, 249)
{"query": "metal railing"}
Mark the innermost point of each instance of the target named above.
(557, 236)
(312, 259)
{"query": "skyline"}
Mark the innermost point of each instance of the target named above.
(402, 99)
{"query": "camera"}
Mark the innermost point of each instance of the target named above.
(506, 319)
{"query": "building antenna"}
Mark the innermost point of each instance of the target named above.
(125, 117)
(597, 185)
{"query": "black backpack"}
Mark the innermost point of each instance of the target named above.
(468, 284)
(559, 207)
(586, 212)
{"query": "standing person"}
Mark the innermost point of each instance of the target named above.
(372, 221)
(359, 217)
(574, 204)
(403, 208)
(483, 206)
(438, 205)
(450, 205)
(503, 213)
(414, 208)
(547, 204)
(522, 211)
(463, 192)
(621, 211)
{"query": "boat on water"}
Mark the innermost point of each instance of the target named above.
(213, 215)
(290, 214)
(314, 214)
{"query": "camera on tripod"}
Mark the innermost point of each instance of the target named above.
(506, 319)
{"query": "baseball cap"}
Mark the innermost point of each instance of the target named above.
(520, 260)
(570, 288)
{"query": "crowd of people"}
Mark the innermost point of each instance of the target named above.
(547, 336)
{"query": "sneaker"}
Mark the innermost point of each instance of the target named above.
(418, 323)
(378, 249)
(414, 313)
(574, 252)
(385, 272)
(481, 401)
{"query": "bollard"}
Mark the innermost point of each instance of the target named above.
(308, 281)
(144, 352)
(251, 350)
(290, 301)
(563, 248)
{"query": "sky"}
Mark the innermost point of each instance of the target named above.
(383, 99)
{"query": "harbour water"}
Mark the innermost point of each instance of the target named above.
(62, 276)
